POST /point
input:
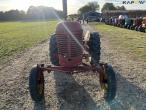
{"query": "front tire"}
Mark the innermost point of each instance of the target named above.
(108, 83)
(36, 84)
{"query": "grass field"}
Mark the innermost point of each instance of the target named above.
(17, 36)
(124, 40)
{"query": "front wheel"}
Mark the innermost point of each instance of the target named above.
(108, 82)
(36, 84)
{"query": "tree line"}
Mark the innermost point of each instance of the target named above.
(112, 7)
(47, 13)
(33, 13)
(94, 6)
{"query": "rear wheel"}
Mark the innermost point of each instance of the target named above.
(94, 47)
(53, 51)
(108, 83)
(36, 84)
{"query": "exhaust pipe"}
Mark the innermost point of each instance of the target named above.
(65, 9)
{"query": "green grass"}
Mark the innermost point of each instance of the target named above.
(17, 36)
(127, 41)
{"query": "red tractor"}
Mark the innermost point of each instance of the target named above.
(68, 48)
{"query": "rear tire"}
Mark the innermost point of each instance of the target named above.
(94, 47)
(53, 51)
(36, 84)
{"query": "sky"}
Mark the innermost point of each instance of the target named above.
(73, 5)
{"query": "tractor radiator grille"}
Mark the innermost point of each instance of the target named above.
(68, 47)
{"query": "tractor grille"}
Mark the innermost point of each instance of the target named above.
(67, 46)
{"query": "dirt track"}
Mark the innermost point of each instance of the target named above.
(77, 92)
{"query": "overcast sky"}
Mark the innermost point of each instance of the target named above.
(73, 5)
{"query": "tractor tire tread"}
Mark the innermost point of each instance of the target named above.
(94, 47)
(35, 95)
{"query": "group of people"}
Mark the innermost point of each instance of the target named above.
(82, 21)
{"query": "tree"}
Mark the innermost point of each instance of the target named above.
(73, 16)
(94, 5)
(43, 13)
(91, 6)
(120, 8)
(108, 6)
(12, 15)
(33, 13)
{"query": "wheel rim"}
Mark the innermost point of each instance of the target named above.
(104, 80)
(40, 85)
